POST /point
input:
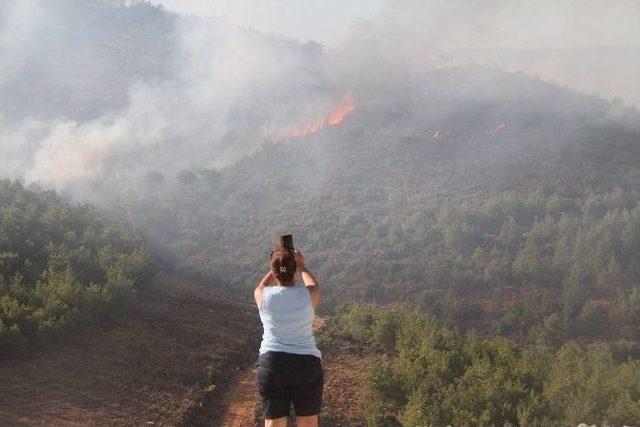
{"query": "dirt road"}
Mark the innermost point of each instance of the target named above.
(240, 404)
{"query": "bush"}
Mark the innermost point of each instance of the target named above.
(550, 334)
(61, 266)
(592, 320)
(626, 309)
(435, 376)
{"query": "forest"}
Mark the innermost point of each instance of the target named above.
(62, 266)
(502, 262)
(425, 373)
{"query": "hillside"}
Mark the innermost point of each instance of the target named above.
(62, 267)
(438, 140)
(413, 370)
(490, 199)
(93, 330)
(155, 364)
(67, 60)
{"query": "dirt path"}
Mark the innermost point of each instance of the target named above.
(241, 403)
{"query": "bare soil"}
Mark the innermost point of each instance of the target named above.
(241, 404)
(152, 368)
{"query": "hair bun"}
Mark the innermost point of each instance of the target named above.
(283, 265)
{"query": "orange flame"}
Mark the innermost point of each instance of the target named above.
(309, 128)
(334, 118)
(343, 110)
(498, 128)
(439, 134)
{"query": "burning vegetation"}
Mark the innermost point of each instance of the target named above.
(333, 118)
(498, 129)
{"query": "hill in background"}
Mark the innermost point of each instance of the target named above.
(434, 141)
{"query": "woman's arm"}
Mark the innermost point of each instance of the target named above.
(268, 280)
(309, 281)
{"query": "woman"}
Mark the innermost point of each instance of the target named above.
(289, 365)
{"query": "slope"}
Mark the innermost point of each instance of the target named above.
(154, 366)
(400, 181)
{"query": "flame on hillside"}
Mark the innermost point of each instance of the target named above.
(338, 114)
(334, 118)
(497, 129)
(439, 134)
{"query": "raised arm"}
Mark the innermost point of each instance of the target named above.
(268, 280)
(308, 279)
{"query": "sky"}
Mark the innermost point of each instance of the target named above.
(325, 21)
(562, 24)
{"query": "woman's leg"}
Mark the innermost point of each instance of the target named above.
(274, 391)
(307, 392)
(308, 421)
(278, 422)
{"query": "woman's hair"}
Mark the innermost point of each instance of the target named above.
(283, 265)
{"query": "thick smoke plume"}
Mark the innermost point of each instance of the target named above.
(218, 92)
(92, 91)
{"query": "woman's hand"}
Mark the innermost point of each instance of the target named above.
(308, 279)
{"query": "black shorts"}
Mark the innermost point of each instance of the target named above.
(286, 378)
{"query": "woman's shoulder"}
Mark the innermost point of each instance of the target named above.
(277, 289)
(287, 290)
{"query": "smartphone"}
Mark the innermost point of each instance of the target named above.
(287, 241)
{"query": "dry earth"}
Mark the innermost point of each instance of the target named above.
(149, 369)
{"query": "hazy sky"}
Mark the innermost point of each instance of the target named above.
(325, 21)
(560, 24)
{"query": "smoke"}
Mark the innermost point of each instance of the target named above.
(14, 37)
(502, 24)
(587, 45)
(231, 90)
(93, 90)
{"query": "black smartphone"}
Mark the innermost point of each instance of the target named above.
(287, 241)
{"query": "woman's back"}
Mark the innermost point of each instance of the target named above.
(287, 316)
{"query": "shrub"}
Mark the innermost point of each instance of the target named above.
(61, 266)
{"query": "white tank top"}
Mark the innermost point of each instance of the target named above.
(287, 316)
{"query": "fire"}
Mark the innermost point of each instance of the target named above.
(497, 129)
(309, 128)
(334, 118)
(343, 110)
